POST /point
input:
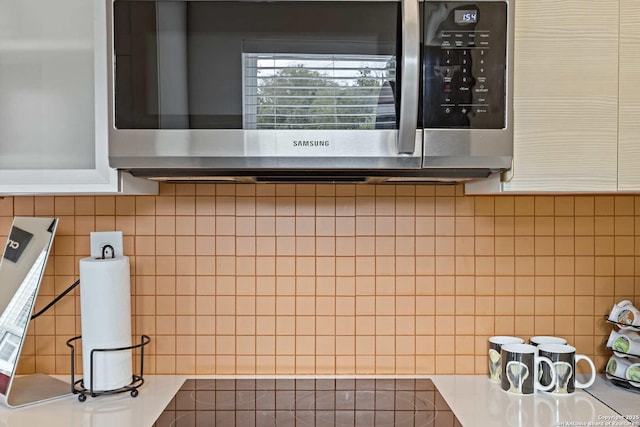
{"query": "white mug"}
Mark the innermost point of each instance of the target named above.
(544, 339)
(519, 369)
(495, 344)
(565, 359)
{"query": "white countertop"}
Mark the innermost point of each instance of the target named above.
(478, 402)
(473, 398)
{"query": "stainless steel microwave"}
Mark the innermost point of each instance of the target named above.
(306, 90)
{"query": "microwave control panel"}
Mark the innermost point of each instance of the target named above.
(465, 65)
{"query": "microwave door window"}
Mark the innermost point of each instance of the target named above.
(255, 65)
(317, 91)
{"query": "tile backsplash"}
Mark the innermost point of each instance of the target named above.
(341, 279)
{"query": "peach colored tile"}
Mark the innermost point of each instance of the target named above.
(504, 246)
(84, 205)
(623, 205)
(524, 226)
(584, 226)
(365, 226)
(445, 344)
(305, 246)
(445, 206)
(604, 205)
(604, 226)
(345, 325)
(285, 206)
(23, 206)
(484, 206)
(464, 206)
(365, 205)
(345, 206)
(504, 226)
(326, 325)
(485, 246)
(583, 205)
(544, 265)
(444, 226)
(405, 325)
(286, 245)
(385, 226)
(185, 265)
(504, 305)
(326, 202)
(186, 205)
(323, 226)
(464, 265)
(544, 205)
(126, 224)
(245, 246)
(624, 225)
(505, 325)
(245, 206)
(182, 189)
(265, 246)
(385, 325)
(564, 226)
(464, 226)
(405, 285)
(265, 226)
(221, 205)
(483, 326)
(165, 205)
(265, 206)
(504, 206)
(564, 246)
(105, 205)
(325, 266)
(305, 283)
(485, 265)
(426, 325)
(305, 306)
(445, 246)
(405, 205)
(64, 205)
(484, 226)
(464, 345)
(425, 226)
(45, 206)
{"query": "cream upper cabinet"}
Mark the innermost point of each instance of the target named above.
(629, 119)
(53, 100)
(565, 98)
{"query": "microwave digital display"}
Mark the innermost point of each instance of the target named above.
(466, 16)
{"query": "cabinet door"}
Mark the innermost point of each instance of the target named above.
(52, 113)
(629, 121)
(565, 98)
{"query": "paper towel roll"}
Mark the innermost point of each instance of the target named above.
(105, 305)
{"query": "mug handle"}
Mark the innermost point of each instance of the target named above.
(589, 383)
(552, 384)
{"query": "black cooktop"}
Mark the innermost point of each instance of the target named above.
(307, 402)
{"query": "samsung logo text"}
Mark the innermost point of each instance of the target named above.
(310, 143)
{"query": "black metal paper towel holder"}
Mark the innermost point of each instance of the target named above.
(77, 386)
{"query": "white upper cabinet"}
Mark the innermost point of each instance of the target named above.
(629, 120)
(565, 98)
(53, 100)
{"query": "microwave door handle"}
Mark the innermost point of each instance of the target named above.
(410, 71)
